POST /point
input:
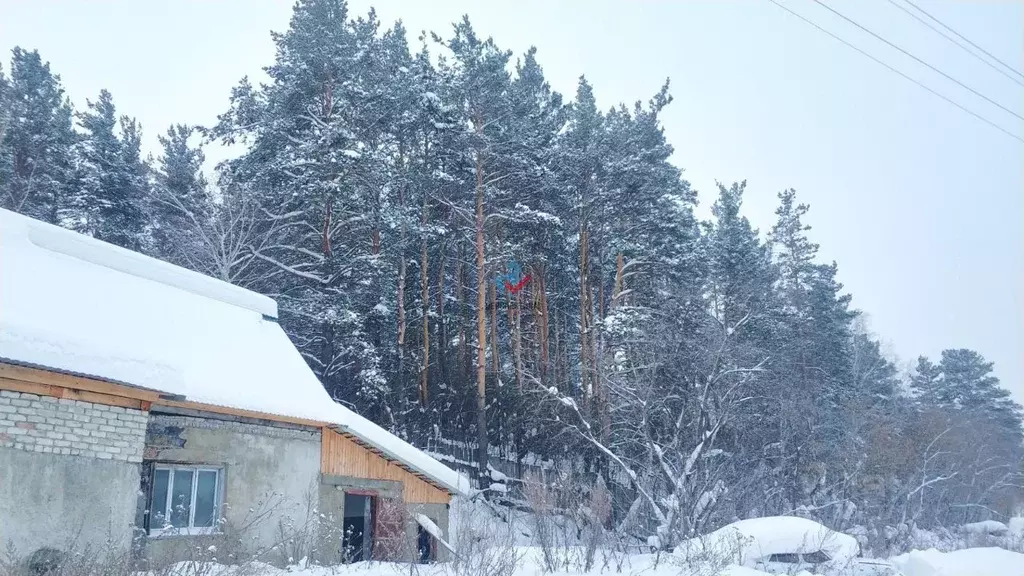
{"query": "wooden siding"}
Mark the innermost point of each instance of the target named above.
(57, 385)
(52, 378)
(340, 455)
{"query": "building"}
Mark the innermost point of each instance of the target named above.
(146, 405)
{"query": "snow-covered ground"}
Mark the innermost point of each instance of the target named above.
(508, 531)
(969, 562)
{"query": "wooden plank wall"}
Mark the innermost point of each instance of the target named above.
(46, 383)
(340, 456)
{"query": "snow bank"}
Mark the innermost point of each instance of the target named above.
(746, 541)
(968, 562)
(75, 304)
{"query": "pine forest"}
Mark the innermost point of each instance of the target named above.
(516, 281)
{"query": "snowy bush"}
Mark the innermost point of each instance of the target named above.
(484, 545)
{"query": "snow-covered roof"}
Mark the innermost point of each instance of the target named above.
(72, 303)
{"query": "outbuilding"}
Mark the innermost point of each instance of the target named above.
(145, 405)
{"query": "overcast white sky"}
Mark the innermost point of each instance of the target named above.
(921, 205)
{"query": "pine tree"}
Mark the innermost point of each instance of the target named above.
(480, 83)
(925, 379)
(181, 202)
(969, 435)
(963, 381)
(321, 161)
(36, 139)
(113, 192)
(814, 339)
(740, 270)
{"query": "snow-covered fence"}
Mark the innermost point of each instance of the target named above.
(507, 469)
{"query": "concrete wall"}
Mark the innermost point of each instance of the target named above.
(332, 508)
(436, 512)
(69, 472)
(270, 474)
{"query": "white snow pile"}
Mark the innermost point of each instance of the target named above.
(967, 562)
(989, 527)
(72, 303)
(746, 541)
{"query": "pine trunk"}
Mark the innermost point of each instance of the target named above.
(460, 299)
(401, 306)
(541, 323)
(402, 268)
(495, 359)
(517, 339)
(617, 292)
(442, 326)
(425, 300)
(586, 385)
(481, 318)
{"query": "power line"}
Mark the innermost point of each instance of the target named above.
(933, 68)
(962, 37)
(957, 44)
(954, 103)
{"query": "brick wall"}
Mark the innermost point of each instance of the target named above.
(59, 426)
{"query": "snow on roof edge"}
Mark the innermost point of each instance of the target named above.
(58, 370)
(401, 451)
(88, 249)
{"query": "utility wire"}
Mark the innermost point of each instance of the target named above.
(957, 44)
(933, 68)
(962, 37)
(954, 103)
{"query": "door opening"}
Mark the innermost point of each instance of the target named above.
(357, 538)
(424, 546)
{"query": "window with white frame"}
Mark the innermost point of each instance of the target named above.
(185, 500)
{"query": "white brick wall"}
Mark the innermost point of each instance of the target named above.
(59, 426)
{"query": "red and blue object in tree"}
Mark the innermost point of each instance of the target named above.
(513, 281)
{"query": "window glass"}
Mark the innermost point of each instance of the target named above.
(181, 498)
(785, 558)
(158, 508)
(185, 499)
(206, 498)
(817, 557)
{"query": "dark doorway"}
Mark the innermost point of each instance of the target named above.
(358, 527)
(425, 546)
